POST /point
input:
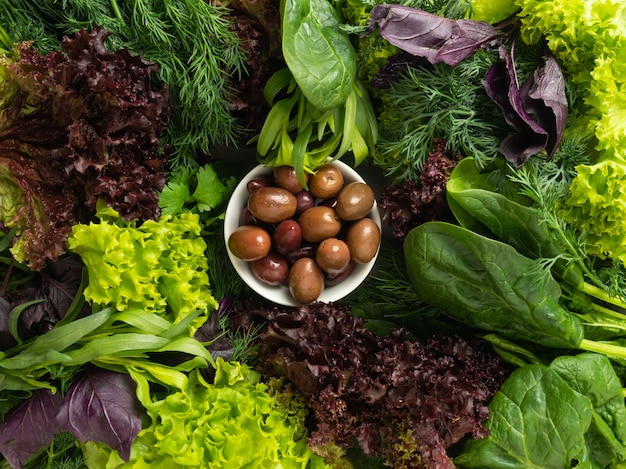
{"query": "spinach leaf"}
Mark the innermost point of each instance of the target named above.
(478, 207)
(593, 375)
(536, 421)
(475, 203)
(488, 285)
(318, 53)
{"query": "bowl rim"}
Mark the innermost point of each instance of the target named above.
(280, 294)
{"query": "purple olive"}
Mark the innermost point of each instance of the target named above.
(301, 252)
(304, 201)
(287, 236)
(257, 182)
(338, 277)
(271, 269)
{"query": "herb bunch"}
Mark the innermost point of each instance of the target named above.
(438, 101)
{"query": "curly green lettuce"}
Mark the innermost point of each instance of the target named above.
(158, 266)
(238, 421)
(596, 206)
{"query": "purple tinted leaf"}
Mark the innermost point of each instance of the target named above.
(543, 95)
(56, 285)
(29, 427)
(6, 338)
(467, 37)
(502, 86)
(102, 407)
(434, 37)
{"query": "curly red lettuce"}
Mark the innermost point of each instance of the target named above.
(413, 202)
(394, 397)
(76, 126)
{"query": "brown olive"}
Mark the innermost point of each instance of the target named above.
(319, 223)
(306, 280)
(249, 242)
(271, 269)
(363, 239)
(286, 177)
(287, 236)
(272, 204)
(326, 182)
(332, 255)
(354, 201)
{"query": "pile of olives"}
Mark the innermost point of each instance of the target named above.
(305, 239)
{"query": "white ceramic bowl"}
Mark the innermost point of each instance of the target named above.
(280, 294)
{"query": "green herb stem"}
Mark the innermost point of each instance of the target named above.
(601, 294)
(615, 351)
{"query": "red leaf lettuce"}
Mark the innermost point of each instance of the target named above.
(395, 397)
(76, 126)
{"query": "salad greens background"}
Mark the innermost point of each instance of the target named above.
(491, 332)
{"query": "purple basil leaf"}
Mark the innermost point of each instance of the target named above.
(434, 37)
(502, 86)
(543, 95)
(29, 427)
(57, 285)
(6, 339)
(102, 407)
(467, 37)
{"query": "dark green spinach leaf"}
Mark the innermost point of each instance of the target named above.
(318, 53)
(489, 285)
(537, 421)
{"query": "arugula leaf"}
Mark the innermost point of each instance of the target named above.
(536, 421)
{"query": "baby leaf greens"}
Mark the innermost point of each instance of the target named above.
(489, 285)
(319, 55)
(578, 397)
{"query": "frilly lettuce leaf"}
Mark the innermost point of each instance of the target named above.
(588, 38)
(237, 421)
(158, 266)
(596, 205)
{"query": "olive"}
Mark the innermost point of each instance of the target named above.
(286, 177)
(306, 280)
(304, 200)
(319, 223)
(271, 269)
(332, 255)
(301, 252)
(326, 182)
(287, 236)
(249, 242)
(363, 239)
(246, 217)
(354, 201)
(272, 204)
(259, 181)
(336, 278)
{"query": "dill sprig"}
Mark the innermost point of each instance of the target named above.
(191, 40)
(442, 102)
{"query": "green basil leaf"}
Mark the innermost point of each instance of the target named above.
(318, 53)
